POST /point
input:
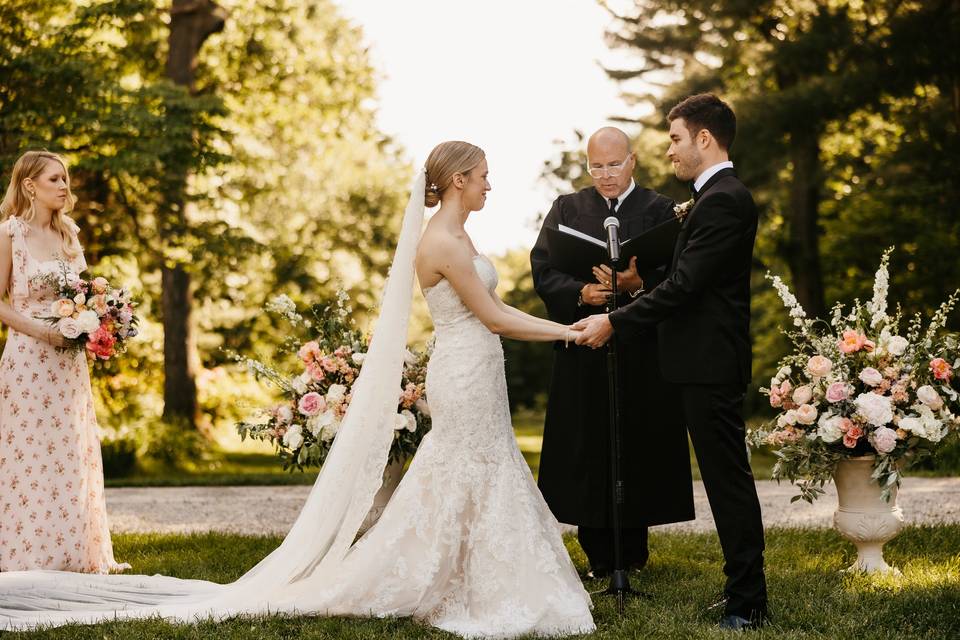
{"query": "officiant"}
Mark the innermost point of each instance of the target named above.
(575, 460)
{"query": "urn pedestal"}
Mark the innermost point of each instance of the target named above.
(391, 478)
(863, 517)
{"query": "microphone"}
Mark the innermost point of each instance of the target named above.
(612, 225)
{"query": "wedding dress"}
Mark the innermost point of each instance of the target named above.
(466, 544)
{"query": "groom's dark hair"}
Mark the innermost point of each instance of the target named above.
(707, 111)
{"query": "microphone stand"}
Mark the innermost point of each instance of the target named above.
(619, 579)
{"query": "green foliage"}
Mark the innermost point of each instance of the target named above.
(810, 598)
(292, 187)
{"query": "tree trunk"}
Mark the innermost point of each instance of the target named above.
(803, 249)
(191, 23)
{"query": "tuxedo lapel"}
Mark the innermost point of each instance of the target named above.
(685, 231)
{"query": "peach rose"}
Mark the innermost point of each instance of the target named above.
(99, 285)
(62, 308)
(803, 395)
(819, 366)
(806, 414)
(851, 436)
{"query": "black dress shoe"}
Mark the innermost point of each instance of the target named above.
(755, 619)
(597, 574)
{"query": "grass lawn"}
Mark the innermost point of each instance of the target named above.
(810, 598)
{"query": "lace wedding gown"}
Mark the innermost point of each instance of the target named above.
(466, 543)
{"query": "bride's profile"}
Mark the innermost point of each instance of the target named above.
(466, 543)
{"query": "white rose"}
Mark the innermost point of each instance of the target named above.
(336, 393)
(802, 395)
(69, 328)
(787, 419)
(829, 428)
(411, 420)
(79, 298)
(299, 385)
(897, 345)
(358, 358)
(929, 396)
(874, 408)
(912, 424)
(330, 425)
(806, 414)
(285, 414)
(409, 358)
(871, 376)
(932, 428)
(88, 321)
(293, 438)
(314, 425)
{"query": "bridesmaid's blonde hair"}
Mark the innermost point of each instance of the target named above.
(445, 161)
(18, 204)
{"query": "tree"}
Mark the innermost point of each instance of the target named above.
(192, 22)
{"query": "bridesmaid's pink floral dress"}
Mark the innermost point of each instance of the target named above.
(52, 509)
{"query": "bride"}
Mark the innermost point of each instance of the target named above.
(466, 543)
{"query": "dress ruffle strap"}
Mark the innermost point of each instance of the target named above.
(16, 228)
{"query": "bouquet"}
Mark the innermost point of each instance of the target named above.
(316, 395)
(91, 314)
(855, 386)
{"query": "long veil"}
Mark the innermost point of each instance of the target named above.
(323, 532)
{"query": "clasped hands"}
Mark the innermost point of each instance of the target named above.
(595, 330)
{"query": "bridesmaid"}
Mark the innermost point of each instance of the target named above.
(52, 508)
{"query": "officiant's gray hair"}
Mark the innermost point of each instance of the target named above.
(445, 161)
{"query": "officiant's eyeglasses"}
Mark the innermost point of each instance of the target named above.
(613, 170)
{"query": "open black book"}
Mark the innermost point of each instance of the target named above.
(576, 253)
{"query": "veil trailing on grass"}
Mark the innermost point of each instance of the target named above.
(320, 538)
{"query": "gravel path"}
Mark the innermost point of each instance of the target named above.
(271, 510)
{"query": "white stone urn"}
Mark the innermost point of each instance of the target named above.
(391, 478)
(862, 516)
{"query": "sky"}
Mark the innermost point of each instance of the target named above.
(513, 77)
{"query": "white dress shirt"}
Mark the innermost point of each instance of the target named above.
(709, 173)
(623, 196)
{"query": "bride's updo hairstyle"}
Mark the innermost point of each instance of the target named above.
(445, 161)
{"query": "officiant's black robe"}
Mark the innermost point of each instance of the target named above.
(575, 461)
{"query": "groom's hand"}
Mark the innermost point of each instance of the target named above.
(594, 330)
(628, 280)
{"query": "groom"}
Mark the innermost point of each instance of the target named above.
(702, 314)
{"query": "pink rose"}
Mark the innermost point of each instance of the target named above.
(329, 364)
(838, 392)
(786, 388)
(884, 440)
(851, 436)
(819, 366)
(312, 403)
(871, 377)
(941, 369)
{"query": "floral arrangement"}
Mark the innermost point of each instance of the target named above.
(91, 314)
(855, 386)
(681, 210)
(317, 394)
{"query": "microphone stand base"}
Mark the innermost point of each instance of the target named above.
(620, 588)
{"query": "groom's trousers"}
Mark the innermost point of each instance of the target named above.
(714, 418)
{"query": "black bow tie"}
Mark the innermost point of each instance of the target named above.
(693, 192)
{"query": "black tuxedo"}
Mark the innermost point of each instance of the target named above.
(575, 461)
(702, 311)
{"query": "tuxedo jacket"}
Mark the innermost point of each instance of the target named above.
(702, 307)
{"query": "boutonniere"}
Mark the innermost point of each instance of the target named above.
(681, 210)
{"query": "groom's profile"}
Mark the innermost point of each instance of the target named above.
(701, 313)
(575, 460)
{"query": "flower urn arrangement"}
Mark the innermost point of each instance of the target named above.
(860, 398)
